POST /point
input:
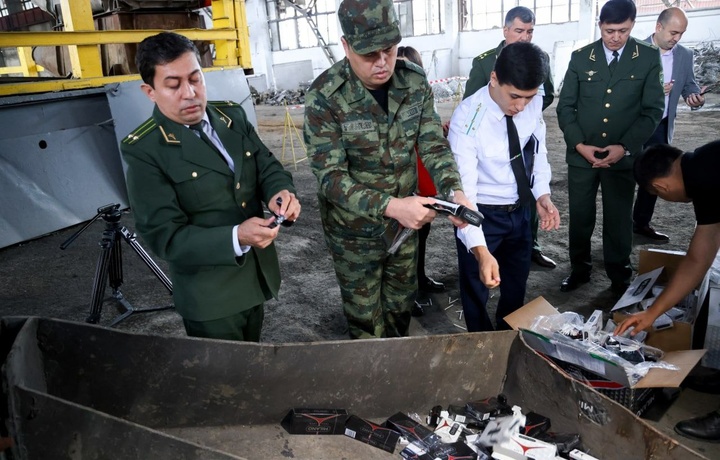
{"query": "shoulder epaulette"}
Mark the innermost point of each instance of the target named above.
(403, 63)
(140, 132)
(591, 45)
(644, 43)
(486, 54)
(224, 103)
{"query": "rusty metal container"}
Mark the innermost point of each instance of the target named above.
(81, 391)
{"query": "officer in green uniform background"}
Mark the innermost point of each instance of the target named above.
(197, 178)
(363, 118)
(610, 103)
(519, 27)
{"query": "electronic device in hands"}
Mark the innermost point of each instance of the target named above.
(470, 216)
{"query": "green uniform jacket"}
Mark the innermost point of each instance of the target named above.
(595, 108)
(362, 156)
(484, 64)
(186, 201)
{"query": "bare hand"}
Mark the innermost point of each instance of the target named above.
(548, 214)
(667, 87)
(488, 267)
(410, 211)
(460, 198)
(639, 321)
(588, 152)
(616, 152)
(288, 206)
(696, 100)
(255, 232)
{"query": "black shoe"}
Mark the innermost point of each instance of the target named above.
(705, 428)
(430, 285)
(705, 383)
(573, 281)
(417, 309)
(649, 232)
(541, 259)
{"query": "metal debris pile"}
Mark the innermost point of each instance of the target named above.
(707, 65)
(281, 97)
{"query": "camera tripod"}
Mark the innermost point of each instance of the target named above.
(109, 265)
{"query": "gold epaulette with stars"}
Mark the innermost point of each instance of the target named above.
(486, 54)
(147, 126)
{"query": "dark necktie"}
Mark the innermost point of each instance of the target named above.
(521, 165)
(199, 129)
(614, 62)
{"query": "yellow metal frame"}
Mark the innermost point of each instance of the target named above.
(230, 35)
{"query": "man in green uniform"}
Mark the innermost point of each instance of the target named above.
(197, 178)
(519, 27)
(610, 103)
(363, 118)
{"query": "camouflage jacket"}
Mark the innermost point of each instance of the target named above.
(362, 156)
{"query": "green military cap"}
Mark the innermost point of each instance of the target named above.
(369, 25)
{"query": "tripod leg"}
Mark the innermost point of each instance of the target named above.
(101, 273)
(131, 239)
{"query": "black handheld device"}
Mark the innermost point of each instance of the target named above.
(470, 216)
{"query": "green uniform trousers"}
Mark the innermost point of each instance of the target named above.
(618, 188)
(244, 326)
(377, 289)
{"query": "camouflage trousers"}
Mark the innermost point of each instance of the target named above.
(378, 289)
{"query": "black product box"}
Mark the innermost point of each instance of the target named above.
(415, 452)
(535, 424)
(412, 430)
(371, 433)
(565, 442)
(637, 400)
(315, 421)
(482, 410)
(455, 451)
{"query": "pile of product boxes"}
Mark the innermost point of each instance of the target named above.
(483, 429)
(672, 335)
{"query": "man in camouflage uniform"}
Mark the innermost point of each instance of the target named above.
(519, 27)
(197, 178)
(363, 118)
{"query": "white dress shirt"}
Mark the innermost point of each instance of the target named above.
(479, 141)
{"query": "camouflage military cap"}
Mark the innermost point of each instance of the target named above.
(369, 25)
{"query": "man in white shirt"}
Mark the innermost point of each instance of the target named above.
(498, 138)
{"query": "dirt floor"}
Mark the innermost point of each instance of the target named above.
(37, 278)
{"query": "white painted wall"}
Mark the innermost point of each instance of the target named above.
(451, 53)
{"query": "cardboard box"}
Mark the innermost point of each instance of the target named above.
(315, 421)
(523, 318)
(680, 336)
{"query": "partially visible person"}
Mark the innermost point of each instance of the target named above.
(197, 178)
(519, 27)
(672, 175)
(679, 79)
(363, 119)
(425, 188)
(498, 137)
(610, 104)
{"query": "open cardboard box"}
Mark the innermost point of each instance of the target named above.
(523, 318)
(680, 336)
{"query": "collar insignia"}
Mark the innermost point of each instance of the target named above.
(636, 53)
(592, 55)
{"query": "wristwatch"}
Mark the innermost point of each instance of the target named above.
(627, 152)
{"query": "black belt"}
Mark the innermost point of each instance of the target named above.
(501, 207)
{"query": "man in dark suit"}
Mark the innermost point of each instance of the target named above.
(197, 178)
(679, 79)
(519, 27)
(611, 102)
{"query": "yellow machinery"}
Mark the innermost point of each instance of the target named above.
(59, 135)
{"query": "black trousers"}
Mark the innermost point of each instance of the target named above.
(509, 240)
(645, 202)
